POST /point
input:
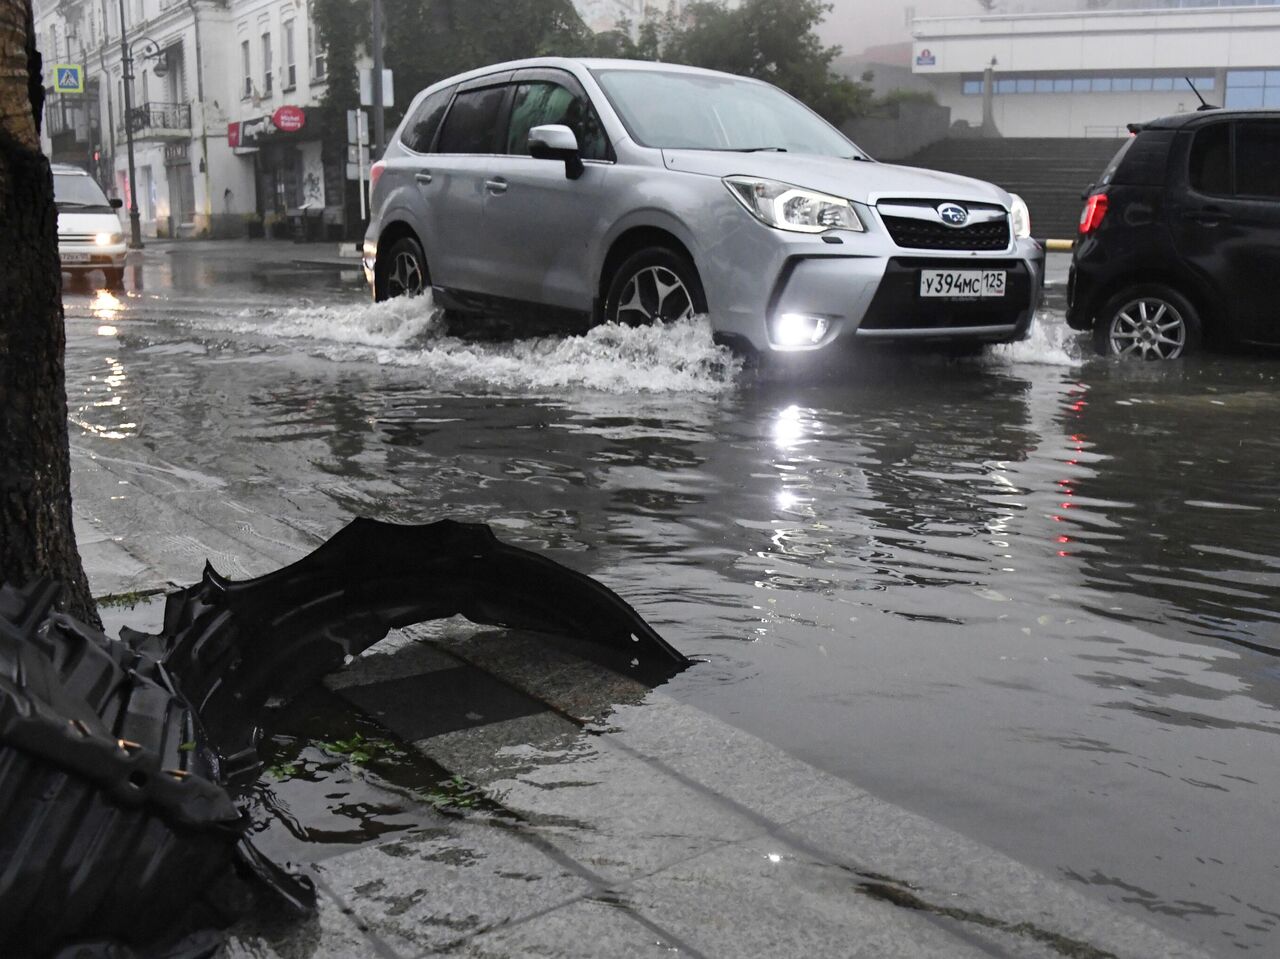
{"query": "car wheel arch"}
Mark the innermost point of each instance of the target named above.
(393, 231)
(631, 241)
(1201, 295)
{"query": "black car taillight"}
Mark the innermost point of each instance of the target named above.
(1095, 208)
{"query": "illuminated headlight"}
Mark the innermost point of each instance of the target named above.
(1021, 217)
(799, 329)
(107, 239)
(787, 207)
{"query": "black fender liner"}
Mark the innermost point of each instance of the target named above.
(122, 762)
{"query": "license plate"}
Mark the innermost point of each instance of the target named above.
(962, 284)
(74, 257)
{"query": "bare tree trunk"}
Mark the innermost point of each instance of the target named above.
(36, 536)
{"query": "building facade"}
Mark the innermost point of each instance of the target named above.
(1089, 72)
(220, 100)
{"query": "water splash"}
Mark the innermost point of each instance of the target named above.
(1050, 342)
(678, 357)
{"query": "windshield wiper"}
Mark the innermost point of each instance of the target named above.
(73, 203)
(756, 149)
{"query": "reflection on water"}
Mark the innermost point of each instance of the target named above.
(1034, 596)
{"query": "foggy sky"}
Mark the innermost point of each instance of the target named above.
(858, 24)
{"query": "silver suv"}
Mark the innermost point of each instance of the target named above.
(633, 192)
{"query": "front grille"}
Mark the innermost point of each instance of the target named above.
(915, 234)
(77, 237)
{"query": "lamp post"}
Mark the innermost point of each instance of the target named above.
(126, 60)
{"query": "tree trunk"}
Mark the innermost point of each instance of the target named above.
(36, 536)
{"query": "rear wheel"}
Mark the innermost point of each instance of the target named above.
(1149, 321)
(654, 285)
(404, 272)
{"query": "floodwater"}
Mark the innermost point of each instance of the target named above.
(1033, 595)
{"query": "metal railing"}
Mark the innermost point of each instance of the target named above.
(157, 115)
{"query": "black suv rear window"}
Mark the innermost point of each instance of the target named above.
(1145, 160)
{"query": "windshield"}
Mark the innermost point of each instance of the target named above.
(74, 190)
(707, 112)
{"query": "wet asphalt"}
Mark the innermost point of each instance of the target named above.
(1034, 596)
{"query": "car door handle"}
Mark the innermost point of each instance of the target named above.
(423, 177)
(496, 185)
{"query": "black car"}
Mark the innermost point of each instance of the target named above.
(1179, 240)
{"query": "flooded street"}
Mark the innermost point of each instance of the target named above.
(1032, 595)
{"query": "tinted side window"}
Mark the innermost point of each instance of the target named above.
(542, 102)
(1146, 161)
(471, 125)
(1211, 160)
(421, 128)
(1258, 158)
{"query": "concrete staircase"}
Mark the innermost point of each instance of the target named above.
(1049, 173)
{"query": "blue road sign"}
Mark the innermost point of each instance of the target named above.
(68, 78)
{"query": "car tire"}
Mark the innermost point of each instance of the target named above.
(1147, 321)
(114, 278)
(404, 272)
(654, 284)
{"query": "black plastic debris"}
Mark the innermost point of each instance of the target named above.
(123, 762)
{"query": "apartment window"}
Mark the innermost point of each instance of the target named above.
(266, 64)
(246, 69)
(290, 69)
(315, 51)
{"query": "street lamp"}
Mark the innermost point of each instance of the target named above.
(126, 57)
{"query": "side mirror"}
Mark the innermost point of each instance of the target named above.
(555, 141)
(116, 203)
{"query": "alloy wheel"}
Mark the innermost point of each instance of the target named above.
(1149, 328)
(654, 294)
(405, 278)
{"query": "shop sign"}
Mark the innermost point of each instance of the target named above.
(926, 58)
(289, 119)
(247, 133)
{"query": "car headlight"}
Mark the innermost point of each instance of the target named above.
(787, 207)
(1021, 217)
(107, 239)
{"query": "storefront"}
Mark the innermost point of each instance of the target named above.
(288, 171)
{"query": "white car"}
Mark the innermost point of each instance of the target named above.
(637, 192)
(90, 236)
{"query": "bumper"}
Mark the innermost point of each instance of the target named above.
(91, 256)
(864, 288)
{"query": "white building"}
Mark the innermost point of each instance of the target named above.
(1089, 72)
(208, 153)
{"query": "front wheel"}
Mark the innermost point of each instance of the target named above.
(404, 272)
(114, 278)
(1150, 321)
(654, 285)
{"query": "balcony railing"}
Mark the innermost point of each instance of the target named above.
(158, 120)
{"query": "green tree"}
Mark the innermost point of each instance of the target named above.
(428, 40)
(771, 40)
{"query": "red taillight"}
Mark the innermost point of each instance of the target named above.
(1095, 208)
(375, 172)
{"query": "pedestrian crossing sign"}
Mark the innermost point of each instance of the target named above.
(68, 78)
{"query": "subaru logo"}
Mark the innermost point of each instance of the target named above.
(953, 214)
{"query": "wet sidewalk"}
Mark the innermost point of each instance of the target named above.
(614, 821)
